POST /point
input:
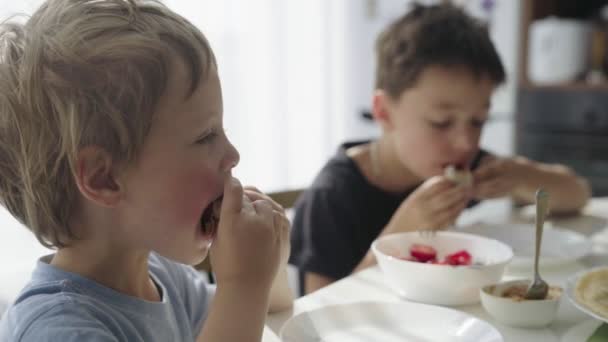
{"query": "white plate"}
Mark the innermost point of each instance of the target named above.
(559, 246)
(571, 285)
(387, 322)
(581, 331)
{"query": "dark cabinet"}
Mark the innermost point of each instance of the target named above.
(563, 123)
(568, 126)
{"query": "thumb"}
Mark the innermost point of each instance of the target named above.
(233, 197)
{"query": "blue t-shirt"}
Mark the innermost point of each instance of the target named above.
(63, 306)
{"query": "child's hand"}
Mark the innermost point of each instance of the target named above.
(434, 205)
(251, 237)
(254, 194)
(496, 177)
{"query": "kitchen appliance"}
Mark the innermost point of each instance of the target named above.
(557, 50)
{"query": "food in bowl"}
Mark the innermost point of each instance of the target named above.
(428, 254)
(422, 253)
(432, 284)
(460, 258)
(458, 175)
(518, 292)
(591, 290)
(506, 303)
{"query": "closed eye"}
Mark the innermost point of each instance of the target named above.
(441, 124)
(207, 137)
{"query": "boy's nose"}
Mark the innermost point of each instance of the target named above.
(466, 141)
(231, 159)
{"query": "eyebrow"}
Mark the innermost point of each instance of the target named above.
(447, 106)
(210, 119)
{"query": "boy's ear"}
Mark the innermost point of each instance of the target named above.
(381, 109)
(95, 178)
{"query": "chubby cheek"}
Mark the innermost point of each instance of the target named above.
(194, 190)
(420, 153)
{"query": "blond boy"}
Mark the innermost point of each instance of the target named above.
(112, 150)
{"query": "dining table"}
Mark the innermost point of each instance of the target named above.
(369, 285)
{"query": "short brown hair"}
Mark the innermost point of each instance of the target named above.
(433, 35)
(82, 73)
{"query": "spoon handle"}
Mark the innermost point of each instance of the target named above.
(542, 204)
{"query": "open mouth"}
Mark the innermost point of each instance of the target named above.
(458, 174)
(211, 217)
(456, 166)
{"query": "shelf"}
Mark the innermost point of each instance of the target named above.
(576, 86)
(532, 10)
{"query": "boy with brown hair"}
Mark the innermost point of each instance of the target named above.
(436, 72)
(112, 150)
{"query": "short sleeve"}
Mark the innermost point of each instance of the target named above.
(66, 323)
(323, 234)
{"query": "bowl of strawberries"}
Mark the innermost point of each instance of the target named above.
(447, 268)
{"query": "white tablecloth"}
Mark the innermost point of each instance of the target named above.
(369, 284)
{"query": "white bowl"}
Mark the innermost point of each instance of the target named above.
(441, 284)
(519, 313)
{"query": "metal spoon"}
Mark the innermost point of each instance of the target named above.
(539, 288)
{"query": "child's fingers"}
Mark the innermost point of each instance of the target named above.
(490, 170)
(283, 234)
(448, 216)
(438, 200)
(492, 189)
(264, 209)
(451, 198)
(252, 188)
(434, 186)
(256, 195)
(233, 197)
(280, 220)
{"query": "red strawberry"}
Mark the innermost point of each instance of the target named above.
(461, 257)
(423, 253)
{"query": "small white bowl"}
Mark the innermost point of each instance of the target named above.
(441, 284)
(520, 313)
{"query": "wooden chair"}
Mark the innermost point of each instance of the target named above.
(286, 199)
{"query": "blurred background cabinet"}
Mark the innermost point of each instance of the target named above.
(565, 121)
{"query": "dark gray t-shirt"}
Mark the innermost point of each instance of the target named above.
(62, 306)
(339, 216)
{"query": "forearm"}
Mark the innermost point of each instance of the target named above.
(568, 192)
(368, 260)
(281, 296)
(242, 306)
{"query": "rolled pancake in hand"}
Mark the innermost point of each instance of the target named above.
(462, 177)
(592, 291)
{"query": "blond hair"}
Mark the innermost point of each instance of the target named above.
(82, 73)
